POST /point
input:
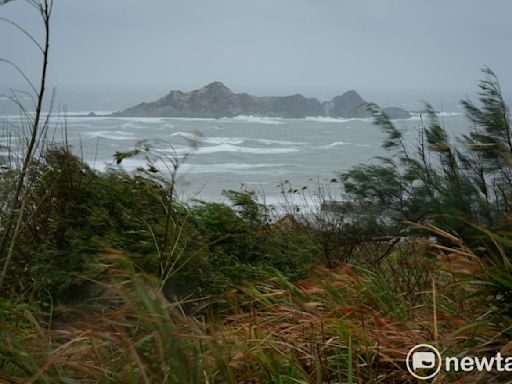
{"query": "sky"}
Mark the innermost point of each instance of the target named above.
(265, 47)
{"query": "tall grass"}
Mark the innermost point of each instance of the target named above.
(344, 324)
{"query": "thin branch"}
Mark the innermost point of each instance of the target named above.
(20, 72)
(24, 32)
(15, 92)
(18, 193)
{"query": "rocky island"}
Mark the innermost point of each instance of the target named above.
(216, 101)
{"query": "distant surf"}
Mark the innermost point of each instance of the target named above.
(112, 135)
(236, 168)
(232, 152)
(232, 140)
(256, 119)
(321, 119)
(234, 148)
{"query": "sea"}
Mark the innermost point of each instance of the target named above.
(267, 155)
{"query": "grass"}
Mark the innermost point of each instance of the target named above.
(345, 324)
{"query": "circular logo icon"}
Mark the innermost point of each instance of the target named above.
(423, 361)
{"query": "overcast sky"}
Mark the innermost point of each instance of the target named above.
(317, 47)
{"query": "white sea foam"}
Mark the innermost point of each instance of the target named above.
(227, 168)
(338, 143)
(232, 140)
(322, 119)
(332, 145)
(153, 120)
(234, 148)
(157, 125)
(416, 115)
(278, 142)
(210, 149)
(112, 135)
(130, 125)
(209, 140)
(255, 119)
(191, 118)
(188, 135)
(223, 140)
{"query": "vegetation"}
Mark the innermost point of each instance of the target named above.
(108, 278)
(448, 182)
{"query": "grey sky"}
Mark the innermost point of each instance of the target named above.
(316, 47)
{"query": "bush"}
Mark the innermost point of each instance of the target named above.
(447, 183)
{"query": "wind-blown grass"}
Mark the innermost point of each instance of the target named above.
(345, 324)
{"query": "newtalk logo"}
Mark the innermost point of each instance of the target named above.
(424, 362)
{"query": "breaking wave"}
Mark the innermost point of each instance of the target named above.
(112, 135)
(227, 168)
(256, 119)
(234, 148)
(231, 140)
(338, 143)
(321, 119)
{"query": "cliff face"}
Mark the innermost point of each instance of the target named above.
(216, 101)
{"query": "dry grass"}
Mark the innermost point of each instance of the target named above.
(344, 324)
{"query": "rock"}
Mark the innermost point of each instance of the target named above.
(291, 107)
(91, 114)
(396, 113)
(216, 101)
(349, 105)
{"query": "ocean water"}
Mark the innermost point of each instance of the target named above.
(242, 152)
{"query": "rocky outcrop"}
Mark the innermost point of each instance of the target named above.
(217, 101)
(349, 105)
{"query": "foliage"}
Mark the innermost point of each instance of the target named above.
(442, 181)
(340, 324)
